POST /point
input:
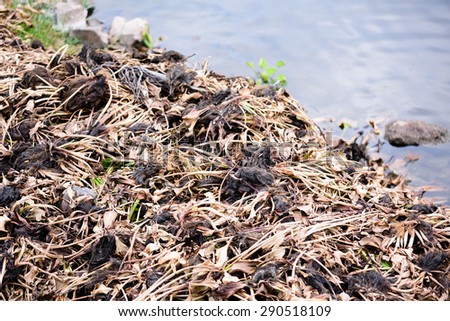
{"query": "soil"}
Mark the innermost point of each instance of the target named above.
(169, 56)
(144, 174)
(265, 273)
(102, 250)
(434, 261)
(8, 195)
(367, 282)
(39, 76)
(93, 57)
(85, 93)
(21, 132)
(32, 157)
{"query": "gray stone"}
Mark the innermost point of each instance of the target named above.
(93, 36)
(70, 16)
(127, 32)
(404, 133)
(94, 22)
(85, 3)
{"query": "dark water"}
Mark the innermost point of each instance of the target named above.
(345, 60)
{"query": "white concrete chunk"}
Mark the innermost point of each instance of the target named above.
(127, 32)
(70, 16)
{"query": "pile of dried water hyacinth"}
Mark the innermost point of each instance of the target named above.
(142, 179)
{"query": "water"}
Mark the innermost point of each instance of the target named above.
(345, 60)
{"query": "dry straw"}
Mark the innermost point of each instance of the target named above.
(144, 179)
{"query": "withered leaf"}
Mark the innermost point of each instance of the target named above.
(225, 291)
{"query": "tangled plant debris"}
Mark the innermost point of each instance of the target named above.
(143, 179)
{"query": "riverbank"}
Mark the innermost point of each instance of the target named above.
(138, 178)
(378, 60)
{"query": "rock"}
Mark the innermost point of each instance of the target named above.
(70, 15)
(88, 4)
(92, 35)
(94, 22)
(404, 133)
(127, 32)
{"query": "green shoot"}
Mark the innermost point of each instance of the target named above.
(268, 75)
(147, 39)
(386, 265)
(42, 28)
(110, 165)
(135, 211)
(97, 181)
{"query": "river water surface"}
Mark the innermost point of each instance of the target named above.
(345, 60)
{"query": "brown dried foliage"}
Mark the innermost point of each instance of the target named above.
(148, 180)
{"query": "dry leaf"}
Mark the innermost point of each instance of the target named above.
(227, 290)
(247, 267)
(371, 241)
(227, 278)
(222, 255)
(3, 221)
(191, 119)
(102, 289)
(109, 218)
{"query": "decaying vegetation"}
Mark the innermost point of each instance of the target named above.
(144, 179)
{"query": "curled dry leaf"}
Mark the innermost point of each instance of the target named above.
(3, 221)
(109, 218)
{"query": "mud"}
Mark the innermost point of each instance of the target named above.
(265, 273)
(8, 195)
(169, 55)
(280, 203)
(434, 261)
(83, 92)
(319, 282)
(39, 76)
(37, 232)
(97, 278)
(424, 208)
(247, 180)
(32, 157)
(140, 128)
(152, 278)
(368, 282)
(21, 132)
(178, 78)
(264, 91)
(144, 174)
(225, 291)
(4, 166)
(12, 271)
(256, 176)
(164, 217)
(102, 250)
(94, 57)
(72, 67)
